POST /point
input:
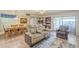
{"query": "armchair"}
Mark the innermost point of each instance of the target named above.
(62, 32)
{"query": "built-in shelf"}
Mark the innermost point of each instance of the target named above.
(45, 21)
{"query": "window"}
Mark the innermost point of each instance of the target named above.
(67, 21)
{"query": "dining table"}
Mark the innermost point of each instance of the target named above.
(14, 30)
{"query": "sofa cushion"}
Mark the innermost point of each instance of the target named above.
(39, 29)
(36, 35)
(33, 30)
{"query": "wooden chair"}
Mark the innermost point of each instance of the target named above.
(8, 33)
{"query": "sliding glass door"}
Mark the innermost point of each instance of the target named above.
(70, 22)
(57, 22)
(66, 21)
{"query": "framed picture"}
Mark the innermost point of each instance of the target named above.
(48, 20)
(23, 20)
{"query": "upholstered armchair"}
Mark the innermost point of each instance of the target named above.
(62, 32)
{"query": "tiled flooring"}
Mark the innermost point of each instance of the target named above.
(18, 42)
(15, 42)
(49, 43)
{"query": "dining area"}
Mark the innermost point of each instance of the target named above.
(14, 30)
(11, 25)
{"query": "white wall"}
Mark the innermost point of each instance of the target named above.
(70, 13)
(77, 25)
(1, 28)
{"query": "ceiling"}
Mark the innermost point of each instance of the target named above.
(39, 12)
(36, 12)
(56, 11)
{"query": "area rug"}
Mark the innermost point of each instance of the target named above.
(72, 45)
(62, 43)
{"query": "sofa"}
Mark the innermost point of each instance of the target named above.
(35, 34)
(32, 39)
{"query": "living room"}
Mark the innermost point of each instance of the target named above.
(39, 28)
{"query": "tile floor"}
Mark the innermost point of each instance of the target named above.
(18, 42)
(15, 42)
(54, 42)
